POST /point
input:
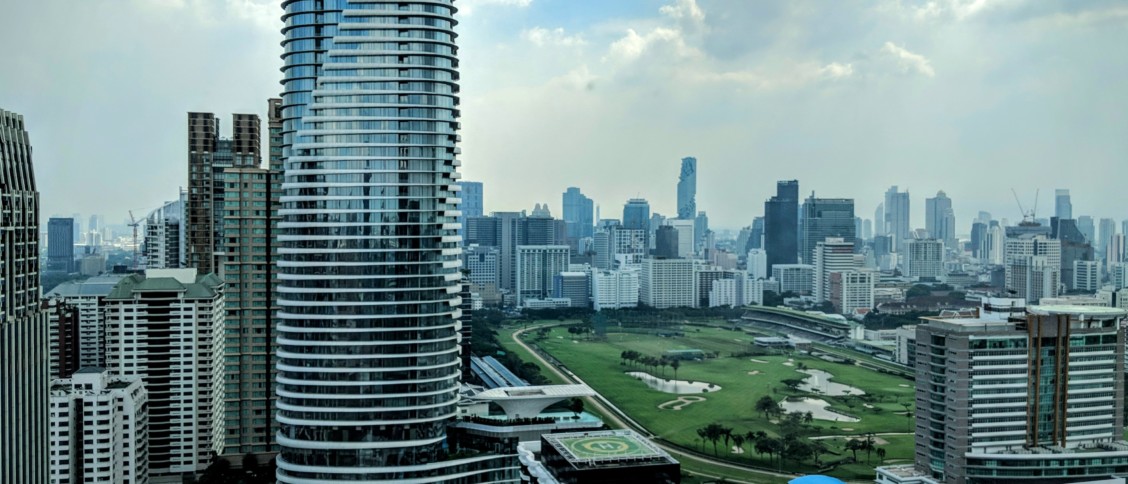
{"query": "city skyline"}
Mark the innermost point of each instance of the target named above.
(922, 106)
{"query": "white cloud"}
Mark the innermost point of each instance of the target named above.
(541, 37)
(632, 45)
(467, 7)
(684, 10)
(908, 62)
(957, 9)
(837, 70)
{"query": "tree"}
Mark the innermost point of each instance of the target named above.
(808, 418)
(868, 445)
(576, 406)
(714, 432)
(704, 436)
(854, 445)
(817, 449)
(675, 364)
(881, 455)
(738, 441)
(792, 383)
(766, 405)
(726, 433)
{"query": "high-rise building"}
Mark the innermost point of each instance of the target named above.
(1037, 398)
(1063, 207)
(614, 289)
(687, 189)
(208, 156)
(1033, 266)
(851, 289)
(897, 219)
(701, 233)
(794, 278)
(372, 266)
(579, 214)
(1106, 230)
(924, 258)
(879, 220)
(1074, 248)
(867, 229)
(274, 125)
(1114, 252)
(994, 245)
(537, 267)
(166, 328)
(833, 254)
(978, 235)
(574, 286)
(636, 214)
(60, 245)
(940, 220)
(781, 224)
(821, 218)
(163, 247)
(667, 242)
(756, 238)
(483, 264)
(88, 326)
(63, 337)
(686, 236)
(617, 247)
(472, 199)
(1086, 276)
(667, 283)
(757, 264)
(99, 428)
(24, 365)
(1088, 229)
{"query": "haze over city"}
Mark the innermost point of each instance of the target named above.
(969, 97)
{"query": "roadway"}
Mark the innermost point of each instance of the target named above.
(613, 413)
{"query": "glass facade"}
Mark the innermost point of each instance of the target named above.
(368, 360)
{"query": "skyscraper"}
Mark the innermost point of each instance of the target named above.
(1085, 225)
(472, 201)
(1033, 266)
(1063, 207)
(60, 245)
(24, 362)
(636, 214)
(1106, 230)
(781, 224)
(274, 125)
(924, 258)
(825, 217)
(940, 220)
(163, 247)
(579, 214)
(897, 220)
(833, 254)
(756, 238)
(368, 373)
(687, 189)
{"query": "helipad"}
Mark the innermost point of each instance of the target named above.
(605, 445)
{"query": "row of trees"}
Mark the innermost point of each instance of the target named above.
(791, 446)
(639, 359)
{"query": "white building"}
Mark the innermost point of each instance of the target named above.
(686, 240)
(484, 264)
(1033, 266)
(924, 258)
(995, 245)
(87, 297)
(537, 267)
(831, 255)
(1086, 275)
(852, 289)
(736, 292)
(614, 289)
(98, 429)
(668, 283)
(796, 278)
(167, 328)
(164, 245)
(757, 264)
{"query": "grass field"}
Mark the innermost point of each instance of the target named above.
(599, 364)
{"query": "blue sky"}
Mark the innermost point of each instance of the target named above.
(972, 97)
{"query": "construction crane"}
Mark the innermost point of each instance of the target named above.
(1027, 217)
(134, 223)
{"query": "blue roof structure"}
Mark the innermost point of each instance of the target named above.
(494, 374)
(815, 480)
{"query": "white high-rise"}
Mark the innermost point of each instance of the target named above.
(1033, 266)
(757, 264)
(166, 328)
(369, 307)
(614, 289)
(924, 258)
(668, 283)
(686, 238)
(537, 267)
(99, 429)
(831, 255)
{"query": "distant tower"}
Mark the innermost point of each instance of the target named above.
(578, 214)
(781, 224)
(687, 189)
(897, 220)
(1063, 206)
(940, 220)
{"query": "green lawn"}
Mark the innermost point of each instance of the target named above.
(598, 363)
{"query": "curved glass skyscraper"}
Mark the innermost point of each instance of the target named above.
(368, 364)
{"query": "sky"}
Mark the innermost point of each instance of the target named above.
(972, 97)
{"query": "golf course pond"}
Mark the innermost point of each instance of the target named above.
(817, 407)
(819, 382)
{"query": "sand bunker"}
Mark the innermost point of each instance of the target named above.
(753, 360)
(680, 403)
(754, 372)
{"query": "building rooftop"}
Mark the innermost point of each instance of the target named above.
(163, 281)
(94, 286)
(537, 392)
(1091, 312)
(606, 448)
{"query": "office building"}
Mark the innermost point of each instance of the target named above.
(667, 242)
(781, 224)
(164, 243)
(1087, 228)
(833, 254)
(924, 259)
(978, 234)
(166, 327)
(579, 214)
(24, 364)
(756, 238)
(99, 426)
(851, 290)
(483, 265)
(940, 220)
(1118, 275)
(879, 220)
(667, 283)
(537, 267)
(472, 199)
(687, 189)
(1074, 248)
(794, 278)
(636, 214)
(994, 245)
(507, 231)
(1063, 207)
(756, 262)
(574, 286)
(736, 291)
(80, 322)
(701, 234)
(1050, 411)
(1086, 276)
(614, 289)
(60, 245)
(897, 219)
(686, 236)
(1033, 266)
(63, 337)
(704, 277)
(1114, 252)
(1106, 230)
(821, 218)
(208, 156)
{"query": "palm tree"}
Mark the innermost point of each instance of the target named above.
(881, 455)
(701, 432)
(738, 441)
(817, 449)
(675, 364)
(726, 433)
(808, 418)
(868, 445)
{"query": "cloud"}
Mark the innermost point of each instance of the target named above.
(467, 7)
(908, 62)
(632, 45)
(686, 12)
(950, 9)
(541, 37)
(837, 70)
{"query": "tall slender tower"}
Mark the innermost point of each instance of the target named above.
(368, 357)
(687, 189)
(24, 364)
